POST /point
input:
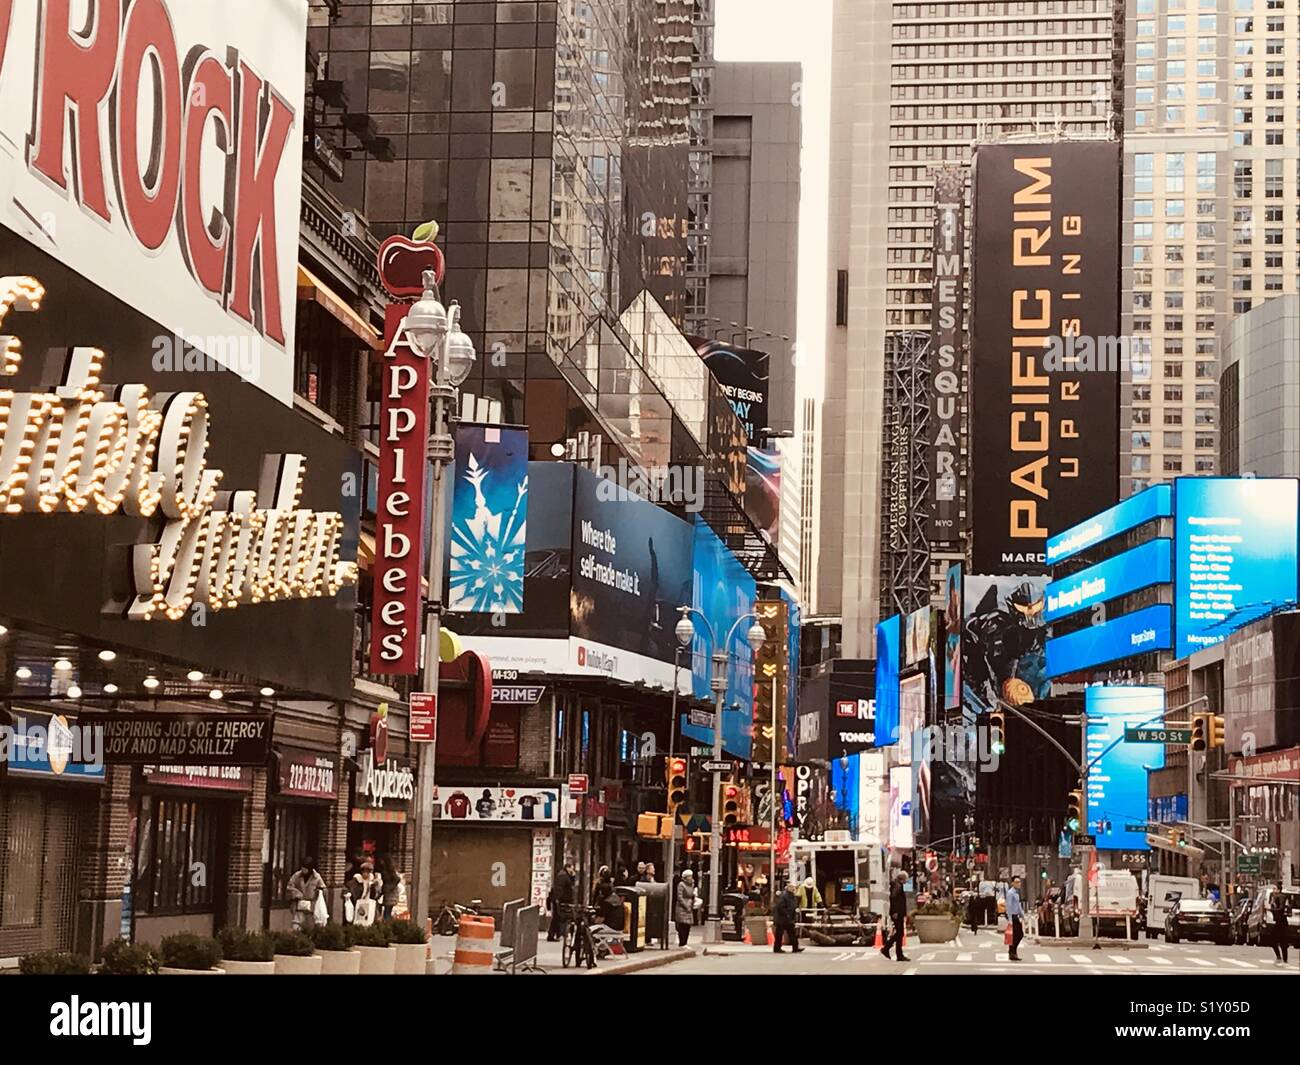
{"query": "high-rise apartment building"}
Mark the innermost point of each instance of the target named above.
(914, 86)
(1211, 198)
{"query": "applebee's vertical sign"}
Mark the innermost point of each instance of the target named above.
(403, 445)
(154, 146)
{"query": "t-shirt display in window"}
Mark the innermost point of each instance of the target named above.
(458, 805)
(526, 806)
(486, 805)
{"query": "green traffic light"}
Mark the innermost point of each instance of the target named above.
(1073, 822)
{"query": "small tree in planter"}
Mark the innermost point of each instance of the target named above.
(129, 959)
(295, 955)
(247, 953)
(54, 963)
(334, 947)
(187, 954)
(935, 922)
(411, 944)
(372, 942)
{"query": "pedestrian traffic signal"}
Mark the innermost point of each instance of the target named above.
(1074, 810)
(1215, 737)
(998, 732)
(675, 779)
(730, 805)
(1200, 737)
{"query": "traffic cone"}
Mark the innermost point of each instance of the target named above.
(428, 939)
(771, 936)
(747, 939)
(1007, 936)
(880, 939)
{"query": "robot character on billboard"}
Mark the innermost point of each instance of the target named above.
(1004, 643)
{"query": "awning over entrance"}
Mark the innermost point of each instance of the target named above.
(310, 287)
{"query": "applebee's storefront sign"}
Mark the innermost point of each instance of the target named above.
(378, 784)
(154, 146)
(75, 450)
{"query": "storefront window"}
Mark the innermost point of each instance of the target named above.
(22, 826)
(293, 837)
(178, 851)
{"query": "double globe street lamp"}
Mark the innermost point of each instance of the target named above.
(755, 636)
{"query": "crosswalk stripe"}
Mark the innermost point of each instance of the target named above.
(1239, 964)
(1083, 959)
(1042, 957)
(1202, 962)
(926, 957)
(965, 956)
(1121, 961)
(1162, 961)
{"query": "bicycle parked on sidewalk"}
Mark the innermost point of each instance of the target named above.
(578, 944)
(447, 923)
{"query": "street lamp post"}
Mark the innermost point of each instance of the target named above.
(435, 334)
(684, 631)
(755, 637)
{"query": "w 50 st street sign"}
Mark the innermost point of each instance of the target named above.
(1157, 735)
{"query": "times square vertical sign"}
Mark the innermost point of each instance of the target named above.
(1045, 426)
(946, 354)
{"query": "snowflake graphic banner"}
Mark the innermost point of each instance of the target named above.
(489, 519)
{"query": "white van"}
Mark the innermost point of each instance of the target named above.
(1163, 892)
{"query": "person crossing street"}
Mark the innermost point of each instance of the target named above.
(897, 918)
(1016, 915)
(784, 917)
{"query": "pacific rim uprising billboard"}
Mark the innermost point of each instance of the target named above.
(1046, 282)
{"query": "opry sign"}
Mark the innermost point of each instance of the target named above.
(80, 449)
(155, 147)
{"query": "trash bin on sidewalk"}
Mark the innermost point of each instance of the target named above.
(656, 912)
(733, 916)
(634, 910)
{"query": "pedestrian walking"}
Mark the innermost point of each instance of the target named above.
(897, 918)
(784, 917)
(686, 903)
(365, 889)
(303, 889)
(1016, 914)
(974, 911)
(390, 886)
(1277, 908)
(560, 902)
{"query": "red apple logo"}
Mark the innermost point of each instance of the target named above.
(402, 262)
(582, 655)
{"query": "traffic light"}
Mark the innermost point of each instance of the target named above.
(1200, 739)
(730, 805)
(1216, 730)
(675, 779)
(998, 732)
(1074, 810)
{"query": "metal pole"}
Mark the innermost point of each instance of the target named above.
(713, 923)
(1085, 853)
(441, 450)
(672, 828)
(771, 800)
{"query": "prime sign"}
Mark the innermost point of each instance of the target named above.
(155, 147)
(85, 448)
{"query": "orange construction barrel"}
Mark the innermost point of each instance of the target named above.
(474, 946)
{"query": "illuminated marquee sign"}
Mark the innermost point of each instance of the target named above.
(946, 346)
(75, 450)
(154, 146)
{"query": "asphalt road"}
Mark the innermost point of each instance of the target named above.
(985, 954)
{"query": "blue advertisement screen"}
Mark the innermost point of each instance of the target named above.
(723, 593)
(1117, 774)
(792, 688)
(489, 520)
(1131, 634)
(1155, 502)
(888, 647)
(1116, 577)
(1235, 549)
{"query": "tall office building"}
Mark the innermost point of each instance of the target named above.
(913, 86)
(1211, 199)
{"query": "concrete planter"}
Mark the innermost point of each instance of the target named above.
(339, 962)
(377, 961)
(936, 928)
(249, 968)
(411, 958)
(165, 971)
(297, 965)
(757, 929)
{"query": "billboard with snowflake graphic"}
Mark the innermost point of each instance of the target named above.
(489, 519)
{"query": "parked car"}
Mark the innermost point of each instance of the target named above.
(1259, 918)
(1198, 919)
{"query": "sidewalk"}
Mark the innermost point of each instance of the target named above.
(549, 954)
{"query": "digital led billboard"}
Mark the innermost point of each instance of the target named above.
(1117, 774)
(888, 649)
(1130, 634)
(1142, 567)
(1155, 502)
(1235, 554)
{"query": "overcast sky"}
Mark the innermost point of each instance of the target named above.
(765, 30)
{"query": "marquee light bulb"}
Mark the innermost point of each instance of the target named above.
(215, 693)
(107, 655)
(62, 665)
(195, 675)
(110, 689)
(23, 673)
(268, 692)
(151, 682)
(74, 692)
